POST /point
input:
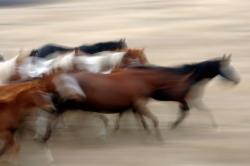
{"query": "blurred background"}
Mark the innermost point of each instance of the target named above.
(172, 32)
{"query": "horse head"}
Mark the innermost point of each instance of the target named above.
(122, 43)
(134, 57)
(227, 71)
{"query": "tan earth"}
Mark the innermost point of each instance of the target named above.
(172, 32)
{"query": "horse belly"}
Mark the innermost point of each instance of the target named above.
(108, 103)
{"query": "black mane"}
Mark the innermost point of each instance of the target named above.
(206, 69)
(103, 46)
(51, 48)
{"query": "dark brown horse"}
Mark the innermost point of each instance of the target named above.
(202, 73)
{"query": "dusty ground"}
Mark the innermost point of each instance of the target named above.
(173, 32)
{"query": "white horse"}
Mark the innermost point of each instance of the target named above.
(100, 62)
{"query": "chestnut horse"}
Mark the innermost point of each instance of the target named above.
(104, 62)
(131, 87)
(17, 99)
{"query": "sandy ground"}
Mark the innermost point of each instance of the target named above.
(173, 32)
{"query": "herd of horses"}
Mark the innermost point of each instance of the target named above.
(106, 77)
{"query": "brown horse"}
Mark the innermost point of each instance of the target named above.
(120, 91)
(131, 87)
(16, 101)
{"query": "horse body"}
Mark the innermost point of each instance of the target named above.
(117, 92)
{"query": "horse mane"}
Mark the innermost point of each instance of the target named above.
(182, 69)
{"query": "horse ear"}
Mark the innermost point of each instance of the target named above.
(229, 57)
(122, 40)
(226, 59)
(21, 52)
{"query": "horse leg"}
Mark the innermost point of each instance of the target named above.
(117, 124)
(139, 117)
(201, 106)
(43, 126)
(54, 120)
(105, 122)
(6, 141)
(184, 109)
(103, 118)
(141, 108)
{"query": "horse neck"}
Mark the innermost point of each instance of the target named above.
(100, 62)
(116, 59)
(205, 71)
(64, 63)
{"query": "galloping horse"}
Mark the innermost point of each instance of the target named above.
(49, 49)
(100, 62)
(129, 88)
(202, 73)
(17, 99)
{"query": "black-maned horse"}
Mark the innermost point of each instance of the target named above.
(117, 92)
(49, 49)
(201, 74)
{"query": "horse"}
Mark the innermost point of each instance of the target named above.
(49, 49)
(131, 87)
(17, 100)
(202, 73)
(118, 92)
(103, 62)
